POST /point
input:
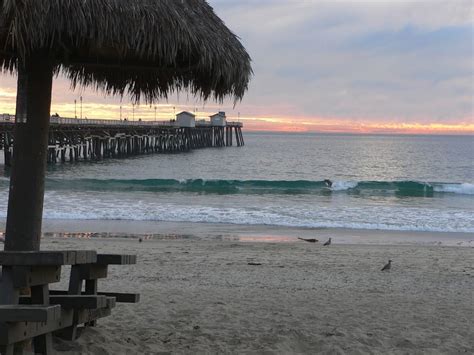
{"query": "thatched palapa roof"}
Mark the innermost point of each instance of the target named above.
(144, 48)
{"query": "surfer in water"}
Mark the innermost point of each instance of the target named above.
(328, 183)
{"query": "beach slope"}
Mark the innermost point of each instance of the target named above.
(232, 297)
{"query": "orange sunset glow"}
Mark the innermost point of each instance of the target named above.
(277, 123)
(166, 112)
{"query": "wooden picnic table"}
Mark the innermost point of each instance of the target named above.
(37, 315)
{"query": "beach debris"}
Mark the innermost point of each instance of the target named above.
(254, 264)
(387, 266)
(310, 240)
(327, 243)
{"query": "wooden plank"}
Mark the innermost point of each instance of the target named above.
(122, 297)
(92, 271)
(75, 282)
(42, 344)
(27, 276)
(79, 301)
(9, 293)
(14, 332)
(91, 289)
(33, 258)
(82, 317)
(73, 301)
(119, 297)
(116, 259)
(29, 258)
(86, 256)
(29, 313)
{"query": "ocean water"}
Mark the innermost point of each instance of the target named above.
(418, 183)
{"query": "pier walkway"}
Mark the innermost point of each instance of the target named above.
(73, 139)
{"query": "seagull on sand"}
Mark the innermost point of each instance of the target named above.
(327, 243)
(387, 266)
(311, 240)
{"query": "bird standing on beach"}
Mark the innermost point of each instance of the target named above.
(387, 266)
(311, 240)
(327, 243)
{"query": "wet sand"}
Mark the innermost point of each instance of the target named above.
(264, 233)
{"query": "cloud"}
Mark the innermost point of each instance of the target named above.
(387, 63)
(400, 60)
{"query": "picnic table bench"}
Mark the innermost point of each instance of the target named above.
(44, 312)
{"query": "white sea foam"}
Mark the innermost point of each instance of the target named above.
(465, 188)
(343, 185)
(144, 208)
(334, 211)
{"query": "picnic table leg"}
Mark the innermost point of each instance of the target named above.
(9, 295)
(43, 344)
(75, 281)
(75, 288)
(91, 289)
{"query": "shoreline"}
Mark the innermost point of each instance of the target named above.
(245, 233)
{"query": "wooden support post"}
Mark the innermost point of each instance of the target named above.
(63, 153)
(25, 203)
(7, 154)
(237, 136)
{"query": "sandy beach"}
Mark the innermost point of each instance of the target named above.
(225, 144)
(202, 296)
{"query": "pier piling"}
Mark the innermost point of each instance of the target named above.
(72, 140)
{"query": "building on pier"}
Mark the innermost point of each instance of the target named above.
(185, 119)
(218, 119)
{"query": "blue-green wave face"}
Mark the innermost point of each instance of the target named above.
(201, 186)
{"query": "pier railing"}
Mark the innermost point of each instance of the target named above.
(108, 122)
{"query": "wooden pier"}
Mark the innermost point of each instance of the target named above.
(72, 139)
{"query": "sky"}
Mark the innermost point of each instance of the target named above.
(328, 66)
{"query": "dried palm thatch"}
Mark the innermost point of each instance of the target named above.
(143, 48)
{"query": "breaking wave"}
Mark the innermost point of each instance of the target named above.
(399, 188)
